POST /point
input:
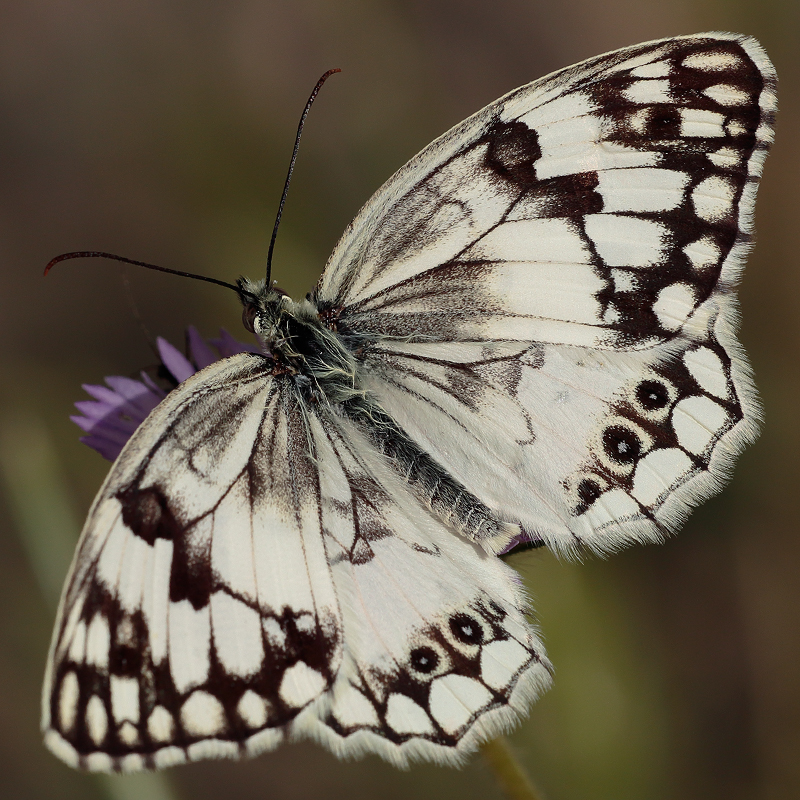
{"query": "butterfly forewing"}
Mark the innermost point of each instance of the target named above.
(304, 592)
(549, 288)
(598, 207)
(201, 601)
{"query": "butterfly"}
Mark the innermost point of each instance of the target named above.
(527, 334)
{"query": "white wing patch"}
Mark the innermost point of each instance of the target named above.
(535, 319)
(286, 608)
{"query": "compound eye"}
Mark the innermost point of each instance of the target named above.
(249, 314)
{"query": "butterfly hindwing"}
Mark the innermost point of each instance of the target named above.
(438, 652)
(591, 449)
(243, 577)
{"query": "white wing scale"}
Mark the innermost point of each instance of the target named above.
(544, 303)
(295, 597)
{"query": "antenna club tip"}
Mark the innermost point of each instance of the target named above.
(324, 78)
(63, 257)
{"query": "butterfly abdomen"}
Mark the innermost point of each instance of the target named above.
(447, 497)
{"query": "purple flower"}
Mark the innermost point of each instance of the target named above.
(119, 408)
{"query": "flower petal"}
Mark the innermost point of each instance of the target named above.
(228, 346)
(201, 353)
(118, 409)
(108, 446)
(175, 361)
(137, 394)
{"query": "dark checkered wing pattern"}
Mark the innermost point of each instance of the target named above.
(231, 591)
(549, 289)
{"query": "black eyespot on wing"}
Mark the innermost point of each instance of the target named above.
(652, 395)
(621, 444)
(424, 659)
(125, 660)
(664, 123)
(129, 639)
(466, 629)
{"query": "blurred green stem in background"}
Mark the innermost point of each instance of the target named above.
(38, 499)
(510, 775)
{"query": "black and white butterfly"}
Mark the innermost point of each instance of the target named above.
(526, 334)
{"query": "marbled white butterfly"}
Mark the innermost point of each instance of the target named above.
(526, 334)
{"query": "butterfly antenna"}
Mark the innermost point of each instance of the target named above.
(98, 254)
(291, 167)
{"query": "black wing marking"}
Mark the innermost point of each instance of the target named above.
(600, 206)
(254, 570)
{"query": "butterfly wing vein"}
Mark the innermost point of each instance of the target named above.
(546, 297)
(271, 595)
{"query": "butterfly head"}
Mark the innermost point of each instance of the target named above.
(261, 307)
(269, 312)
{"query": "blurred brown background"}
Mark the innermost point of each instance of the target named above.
(161, 131)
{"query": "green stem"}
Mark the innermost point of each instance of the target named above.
(510, 774)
